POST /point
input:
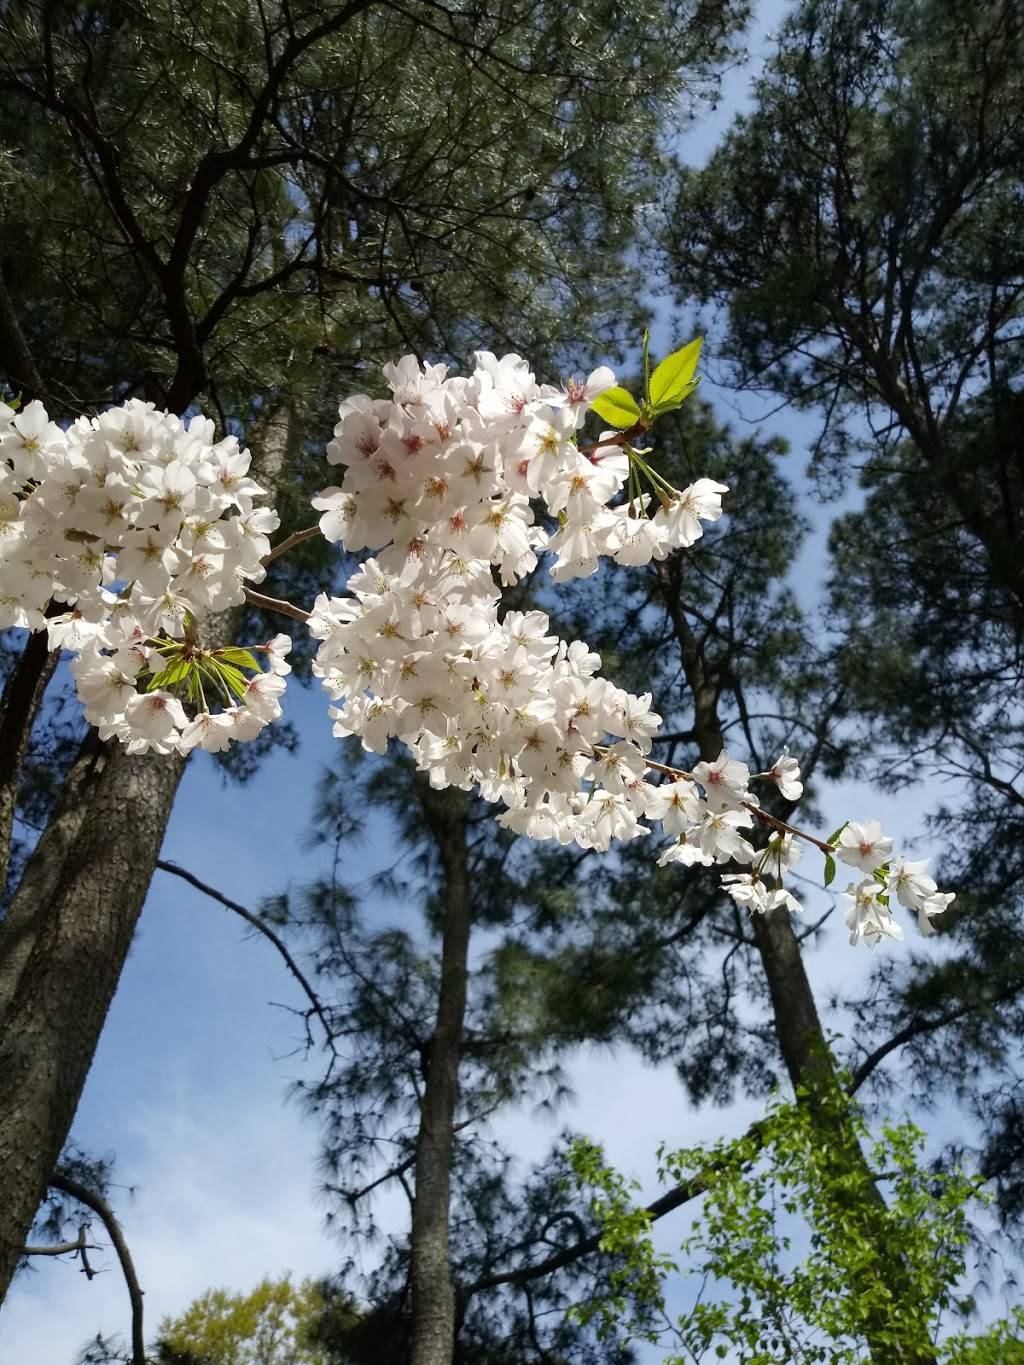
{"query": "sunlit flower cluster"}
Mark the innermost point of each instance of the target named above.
(121, 533)
(441, 481)
(454, 463)
(118, 535)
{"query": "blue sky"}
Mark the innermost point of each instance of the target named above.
(188, 1087)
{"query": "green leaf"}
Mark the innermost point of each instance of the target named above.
(647, 365)
(673, 379)
(830, 869)
(833, 838)
(243, 658)
(618, 407)
(670, 404)
(234, 677)
(167, 677)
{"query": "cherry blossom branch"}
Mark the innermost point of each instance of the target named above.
(289, 542)
(783, 826)
(278, 604)
(620, 438)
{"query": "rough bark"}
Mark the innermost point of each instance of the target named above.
(33, 901)
(22, 695)
(433, 1292)
(65, 937)
(65, 987)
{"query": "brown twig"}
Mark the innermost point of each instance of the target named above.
(66, 1248)
(783, 826)
(259, 599)
(289, 542)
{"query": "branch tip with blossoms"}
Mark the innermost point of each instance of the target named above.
(142, 527)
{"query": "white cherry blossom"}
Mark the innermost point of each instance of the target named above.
(864, 846)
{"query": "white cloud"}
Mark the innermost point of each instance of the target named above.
(224, 1196)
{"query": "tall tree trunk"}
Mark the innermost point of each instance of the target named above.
(33, 901)
(65, 937)
(433, 1293)
(802, 1041)
(53, 1022)
(19, 705)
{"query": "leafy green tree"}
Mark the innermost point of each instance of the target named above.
(776, 1263)
(274, 1324)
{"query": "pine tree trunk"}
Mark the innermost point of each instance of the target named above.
(32, 903)
(433, 1293)
(54, 1018)
(19, 705)
(802, 1041)
(67, 932)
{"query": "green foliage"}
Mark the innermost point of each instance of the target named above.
(673, 380)
(664, 390)
(203, 677)
(618, 407)
(636, 1278)
(438, 179)
(779, 1259)
(271, 1325)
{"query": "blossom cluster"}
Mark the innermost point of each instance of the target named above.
(863, 846)
(118, 535)
(440, 481)
(708, 829)
(452, 464)
(121, 533)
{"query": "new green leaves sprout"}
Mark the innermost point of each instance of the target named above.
(779, 1254)
(618, 408)
(673, 380)
(664, 390)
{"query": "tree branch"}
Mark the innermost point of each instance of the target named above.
(64, 1248)
(15, 354)
(289, 542)
(278, 604)
(918, 1028)
(658, 1208)
(102, 1209)
(316, 1005)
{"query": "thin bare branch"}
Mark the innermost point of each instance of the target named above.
(261, 927)
(102, 1209)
